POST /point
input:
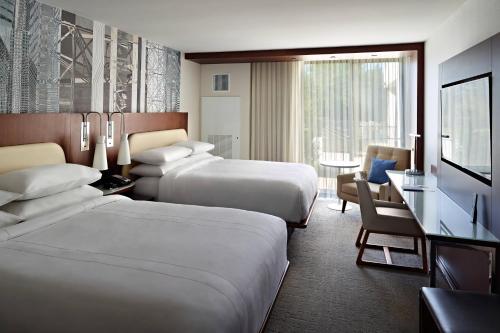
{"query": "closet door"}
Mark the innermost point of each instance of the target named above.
(220, 125)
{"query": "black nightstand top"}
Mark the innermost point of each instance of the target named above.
(117, 190)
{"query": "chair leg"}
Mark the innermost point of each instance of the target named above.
(388, 263)
(425, 266)
(344, 204)
(359, 259)
(360, 236)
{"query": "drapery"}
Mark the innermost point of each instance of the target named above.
(276, 111)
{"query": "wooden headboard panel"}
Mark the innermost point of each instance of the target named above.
(64, 129)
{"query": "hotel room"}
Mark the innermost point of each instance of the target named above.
(249, 166)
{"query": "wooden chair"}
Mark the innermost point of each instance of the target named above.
(390, 218)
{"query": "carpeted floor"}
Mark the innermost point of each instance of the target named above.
(324, 290)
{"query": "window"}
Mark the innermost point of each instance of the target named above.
(348, 104)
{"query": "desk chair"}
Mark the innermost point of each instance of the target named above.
(390, 218)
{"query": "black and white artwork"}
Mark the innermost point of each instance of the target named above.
(52, 60)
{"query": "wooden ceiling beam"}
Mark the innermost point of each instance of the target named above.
(294, 54)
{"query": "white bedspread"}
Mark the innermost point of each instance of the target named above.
(115, 265)
(286, 190)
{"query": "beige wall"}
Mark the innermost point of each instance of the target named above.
(239, 86)
(473, 22)
(190, 95)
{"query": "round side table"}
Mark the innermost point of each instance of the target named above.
(341, 165)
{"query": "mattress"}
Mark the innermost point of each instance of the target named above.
(286, 190)
(147, 186)
(115, 265)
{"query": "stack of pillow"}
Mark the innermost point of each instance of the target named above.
(157, 162)
(31, 192)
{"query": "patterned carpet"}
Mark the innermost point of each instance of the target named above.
(324, 290)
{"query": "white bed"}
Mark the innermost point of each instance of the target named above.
(116, 265)
(286, 190)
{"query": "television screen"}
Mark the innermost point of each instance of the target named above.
(466, 126)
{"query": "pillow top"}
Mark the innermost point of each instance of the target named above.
(377, 171)
(159, 156)
(6, 197)
(7, 219)
(41, 181)
(31, 208)
(148, 170)
(197, 147)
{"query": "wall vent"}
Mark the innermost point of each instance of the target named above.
(220, 82)
(223, 145)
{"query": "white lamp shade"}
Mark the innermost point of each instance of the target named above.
(124, 151)
(100, 157)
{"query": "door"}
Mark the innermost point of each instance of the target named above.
(220, 125)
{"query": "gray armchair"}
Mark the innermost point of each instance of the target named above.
(346, 187)
(390, 218)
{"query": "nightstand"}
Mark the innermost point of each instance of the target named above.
(123, 190)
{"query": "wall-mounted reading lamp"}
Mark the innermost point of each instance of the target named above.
(124, 150)
(100, 157)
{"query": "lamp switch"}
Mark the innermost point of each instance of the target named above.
(84, 136)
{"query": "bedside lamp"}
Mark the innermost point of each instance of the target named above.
(100, 157)
(124, 150)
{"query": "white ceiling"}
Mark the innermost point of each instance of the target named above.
(230, 25)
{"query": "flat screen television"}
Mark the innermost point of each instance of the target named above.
(466, 126)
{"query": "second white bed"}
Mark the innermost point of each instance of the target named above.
(286, 190)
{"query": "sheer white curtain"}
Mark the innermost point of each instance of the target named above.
(348, 104)
(308, 111)
(276, 100)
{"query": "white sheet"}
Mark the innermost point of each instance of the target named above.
(115, 265)
(286, 190)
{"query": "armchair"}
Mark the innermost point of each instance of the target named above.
(346, 187)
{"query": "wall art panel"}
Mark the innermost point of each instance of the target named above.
(52, 60)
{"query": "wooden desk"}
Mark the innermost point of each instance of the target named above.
(444, 222)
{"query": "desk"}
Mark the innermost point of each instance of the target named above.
(443, 221)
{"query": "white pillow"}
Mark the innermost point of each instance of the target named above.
(6, 197)
(7, 219)
(162, 155)
(148, 170)
(197, 147)
(45, 180)
(31, 208)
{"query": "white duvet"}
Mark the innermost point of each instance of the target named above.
(286, 190)
(115, 265)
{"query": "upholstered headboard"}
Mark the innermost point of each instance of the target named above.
(139, 142)
(26, 156)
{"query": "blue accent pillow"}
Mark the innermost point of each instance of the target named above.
(377, 171)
